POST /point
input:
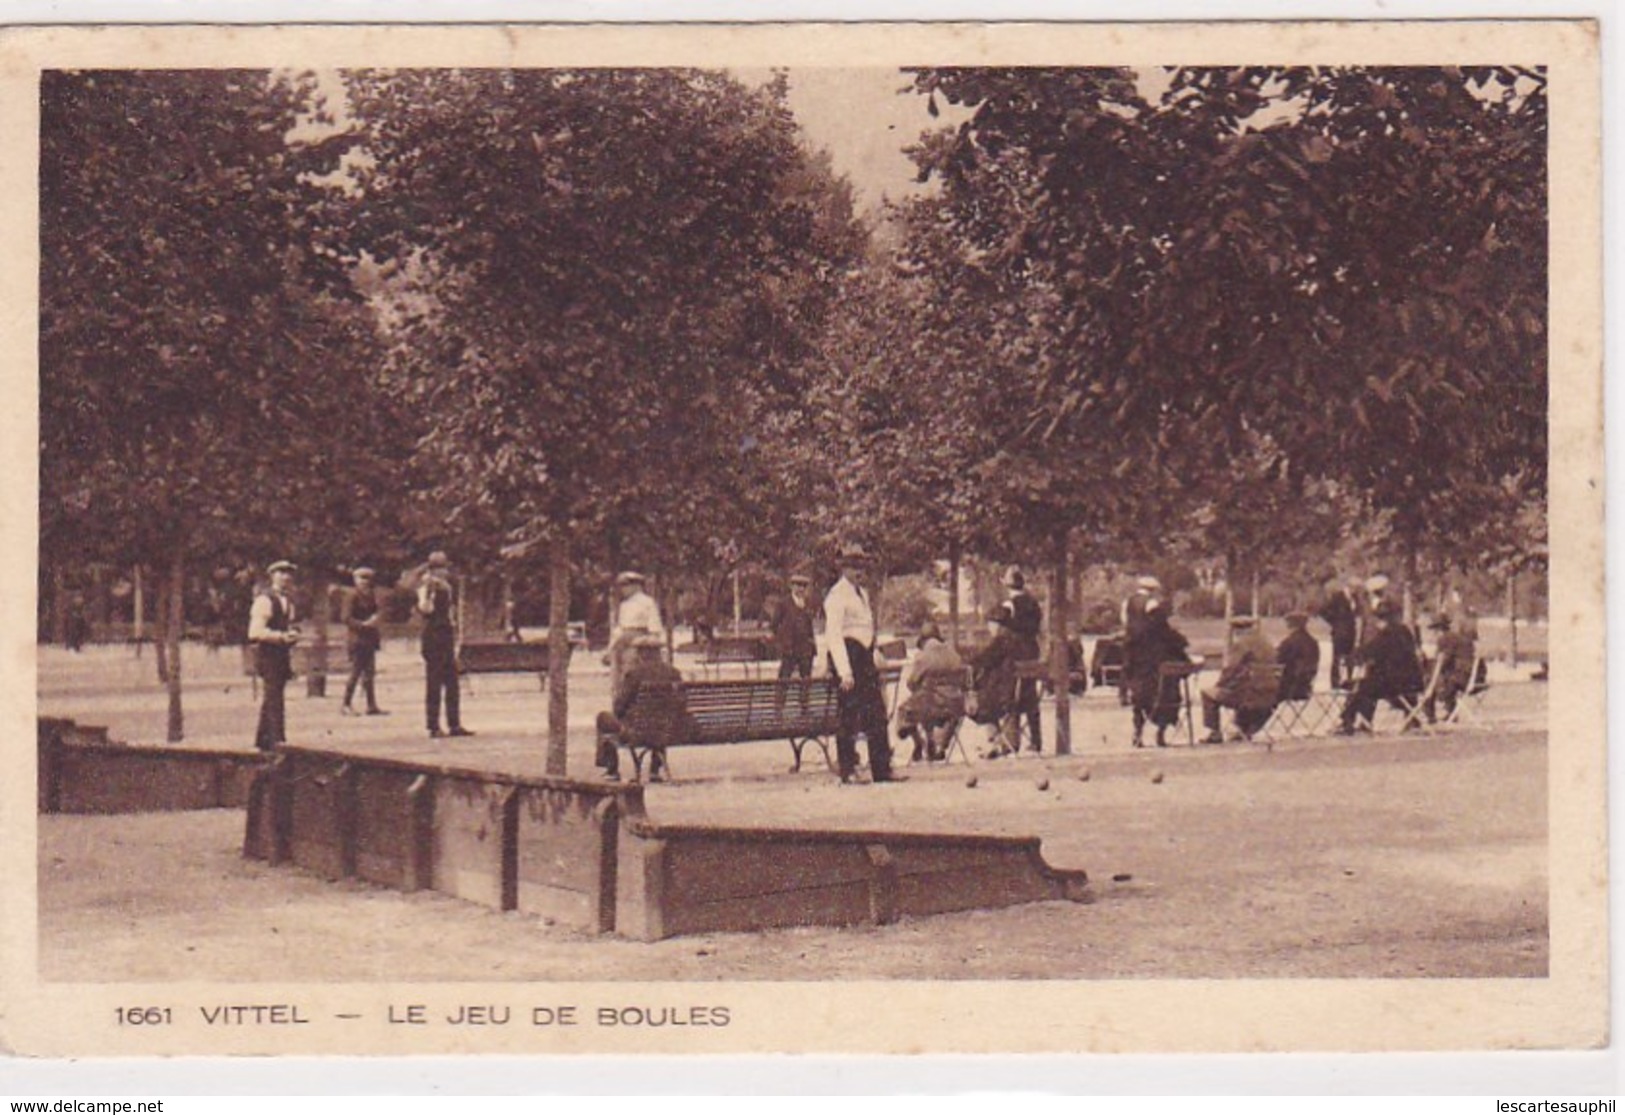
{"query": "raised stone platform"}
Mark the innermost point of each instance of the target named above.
(581, 853)
(82, 771)
(586, 854)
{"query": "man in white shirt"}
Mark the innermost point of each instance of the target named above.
(637, 616)
(272, 632)
(849, 635)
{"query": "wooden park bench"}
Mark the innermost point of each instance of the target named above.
(503, 658)
(741, 710)
(748, 650)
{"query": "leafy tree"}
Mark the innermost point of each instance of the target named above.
(203, 378)
(603, 280)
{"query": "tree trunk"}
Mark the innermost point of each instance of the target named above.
(174, 627)
(98, 595)
(138, 629)
(558, 654)
(160, 633)
(668, 613)
(1512, 615)
(1060, 664)
(1256, 611)
(320, 604)
(953, 597)
(1408, 609)
(59, 606)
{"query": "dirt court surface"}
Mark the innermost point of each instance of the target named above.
(1372, 857)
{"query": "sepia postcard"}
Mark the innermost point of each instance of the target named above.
(803, 538)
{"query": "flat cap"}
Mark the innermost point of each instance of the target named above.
(439, 560)
(629, 577)
(282, 567)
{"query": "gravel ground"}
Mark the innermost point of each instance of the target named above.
(1375, 857)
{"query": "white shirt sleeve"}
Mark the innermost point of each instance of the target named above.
(259, 622)
(835, 629)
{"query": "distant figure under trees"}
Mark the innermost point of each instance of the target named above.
(1026, 622)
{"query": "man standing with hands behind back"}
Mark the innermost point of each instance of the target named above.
(361, 617)
(272, 631)
(849, 632)
(437, 604)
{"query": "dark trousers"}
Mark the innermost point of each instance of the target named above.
(791, 666)
(363, 672)
(1362, 704)
(1342, 664)
(1027, 700)
(1248, 720)
(862, 709)
(440, 667)
(608, 757)
(273, 727)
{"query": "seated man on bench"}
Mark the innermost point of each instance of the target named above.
(936, 696)
(1248, 683)
(650, 710)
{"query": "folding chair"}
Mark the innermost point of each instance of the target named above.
(1180, 673)
(1416, 715)
(1469, 701)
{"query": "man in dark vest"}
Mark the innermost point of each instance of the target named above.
(1026, 621)
(437, 604)
(273, 632)
(361, 619)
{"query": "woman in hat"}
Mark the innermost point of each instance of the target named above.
(993, 681)
(1156, 698)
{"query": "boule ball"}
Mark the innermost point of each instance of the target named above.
(1043, 784)
(1156, 777)
(970, 783)
(1085, 774)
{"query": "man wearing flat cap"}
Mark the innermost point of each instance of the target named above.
(793, 631)
(1454, 663)
(1247, 683)
(849, 635)
(636, 616)
(437, 605)
(362, 616)
(649, 710)
(273, 632)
